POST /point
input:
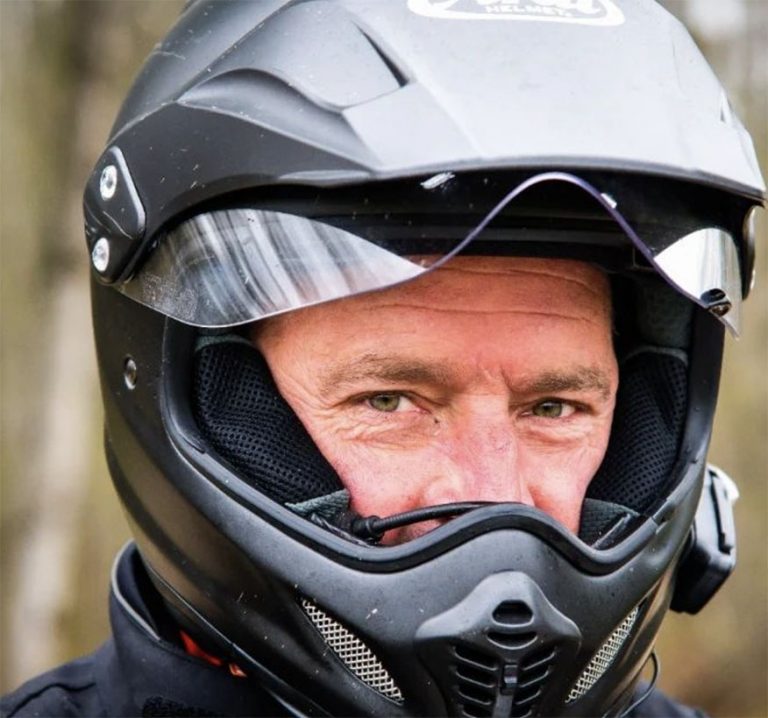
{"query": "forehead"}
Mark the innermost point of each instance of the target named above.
(486, 285)
(493, 283)
(487, 304)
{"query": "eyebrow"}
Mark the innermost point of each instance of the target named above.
(385, 369)
(388, 369)
(579, 379)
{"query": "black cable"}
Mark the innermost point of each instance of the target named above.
(372, 528)
(651, 686)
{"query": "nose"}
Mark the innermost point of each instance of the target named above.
(479, 461)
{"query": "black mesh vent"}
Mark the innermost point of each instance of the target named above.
(353, 652)
(238, 408)
(647, 429)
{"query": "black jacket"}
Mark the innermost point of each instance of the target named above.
(137, 672)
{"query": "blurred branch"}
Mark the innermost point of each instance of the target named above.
(59, 470)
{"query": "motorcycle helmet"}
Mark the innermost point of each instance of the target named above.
(275, 155)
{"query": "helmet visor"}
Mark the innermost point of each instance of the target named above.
(236, 265)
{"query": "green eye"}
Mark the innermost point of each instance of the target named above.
(549, 409)
(385, 402)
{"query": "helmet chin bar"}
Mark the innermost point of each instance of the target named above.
(371, 529)
(499, 632)
(492, 655)
(710, 556)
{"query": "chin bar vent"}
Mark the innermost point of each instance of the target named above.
(480, 678)
(602, 660)
(353, 653)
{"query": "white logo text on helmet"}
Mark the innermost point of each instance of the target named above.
(582, 12)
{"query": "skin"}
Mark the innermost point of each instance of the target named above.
(489, 379)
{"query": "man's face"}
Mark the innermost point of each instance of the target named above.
(489, 379)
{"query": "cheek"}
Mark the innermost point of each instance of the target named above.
(379, 481)
(558, 482)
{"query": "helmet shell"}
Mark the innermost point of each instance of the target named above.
(242, 95)
(231, 100)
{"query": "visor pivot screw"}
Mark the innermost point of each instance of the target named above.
(108, 182)
(100, 255)
(130, 373)
(717, 302)
(720, 310)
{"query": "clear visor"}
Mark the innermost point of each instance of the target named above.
(232, 266)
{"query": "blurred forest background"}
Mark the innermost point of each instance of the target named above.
(65, 66)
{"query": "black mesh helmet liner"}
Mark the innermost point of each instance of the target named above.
(647, 428)
(238, 408)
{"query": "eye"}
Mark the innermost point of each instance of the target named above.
(553, 409)
(386, 402)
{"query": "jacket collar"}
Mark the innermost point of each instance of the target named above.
(150, 674)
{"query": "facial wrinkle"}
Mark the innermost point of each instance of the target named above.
(564, 276)
(490, 312)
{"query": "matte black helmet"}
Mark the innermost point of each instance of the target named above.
(279, 154)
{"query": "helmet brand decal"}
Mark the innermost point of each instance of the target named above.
(582, 12)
